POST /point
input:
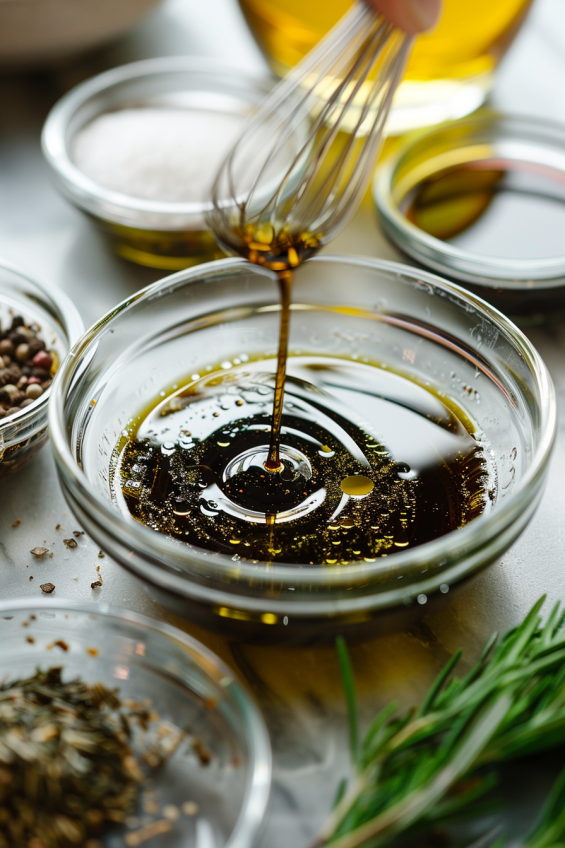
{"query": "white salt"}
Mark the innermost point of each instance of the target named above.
(171, 155)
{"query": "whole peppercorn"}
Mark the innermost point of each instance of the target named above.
(33, 391)
(10, 392)
(35, 345)
(22, 352)
(42, 360)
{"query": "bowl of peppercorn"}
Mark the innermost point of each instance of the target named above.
(38, 325)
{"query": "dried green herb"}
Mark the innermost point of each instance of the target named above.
(510, 704)
(66, 763)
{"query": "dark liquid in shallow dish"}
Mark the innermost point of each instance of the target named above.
(372, 463)
(505, 210)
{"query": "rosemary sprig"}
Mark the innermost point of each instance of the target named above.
(510, 704)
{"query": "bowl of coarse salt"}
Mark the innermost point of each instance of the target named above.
(137, 149)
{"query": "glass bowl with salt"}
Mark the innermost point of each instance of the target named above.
(137, 148)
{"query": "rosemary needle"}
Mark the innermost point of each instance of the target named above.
(510, 704)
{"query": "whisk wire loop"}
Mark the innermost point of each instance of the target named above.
(303, 161)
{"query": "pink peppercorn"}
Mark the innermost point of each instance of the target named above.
(42, 360)
(33, 380)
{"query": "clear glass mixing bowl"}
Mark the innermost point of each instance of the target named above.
(187, 685)
(410, 321)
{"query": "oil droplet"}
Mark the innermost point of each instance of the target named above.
(357, 485)
(326, 452)
(223, 444)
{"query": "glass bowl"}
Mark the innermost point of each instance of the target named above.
(187, 685)
(491, 189)
(23, 433)
(169, 235)
(343, 306)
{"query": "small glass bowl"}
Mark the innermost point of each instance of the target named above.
(487, 153)
(157, 234)
(188, 686)
(345, 307)
(23, 433)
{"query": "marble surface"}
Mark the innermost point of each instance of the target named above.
(297, 689)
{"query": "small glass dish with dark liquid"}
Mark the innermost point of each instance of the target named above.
(482, 201)
(416, 427)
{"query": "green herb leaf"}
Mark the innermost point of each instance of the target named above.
(510, 704)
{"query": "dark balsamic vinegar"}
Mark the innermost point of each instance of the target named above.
(371, 463)
(333, 462)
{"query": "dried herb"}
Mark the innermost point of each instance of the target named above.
(70, 543)
(67, 767)
(510, 704)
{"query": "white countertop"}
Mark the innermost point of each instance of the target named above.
(297, 688)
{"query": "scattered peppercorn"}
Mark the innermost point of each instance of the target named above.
(70, 543)
(47, 588)
(59, 644)
(39, 552)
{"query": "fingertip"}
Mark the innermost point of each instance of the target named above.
(413, 16)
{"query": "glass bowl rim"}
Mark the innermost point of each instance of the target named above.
(153, 546)
(444, 258)
(73, 327)
(256, 799)
(85, 190)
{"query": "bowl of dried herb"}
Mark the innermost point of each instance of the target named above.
(115, 729)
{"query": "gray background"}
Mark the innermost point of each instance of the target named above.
(297, 688)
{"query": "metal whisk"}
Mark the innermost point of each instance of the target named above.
(303, 162)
